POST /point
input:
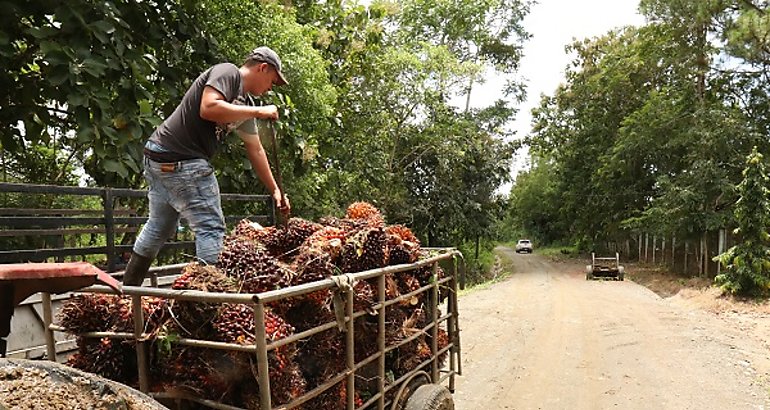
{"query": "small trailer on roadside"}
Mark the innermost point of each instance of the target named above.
(427, 387)
(605, 268)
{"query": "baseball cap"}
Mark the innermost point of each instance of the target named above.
(267, 55)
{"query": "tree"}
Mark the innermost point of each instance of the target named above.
(88, 81)
(747, 264)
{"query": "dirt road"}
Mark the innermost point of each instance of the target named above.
(548, 339)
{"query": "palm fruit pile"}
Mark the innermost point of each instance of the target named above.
(258, 259)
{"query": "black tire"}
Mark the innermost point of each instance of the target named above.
(430, 397)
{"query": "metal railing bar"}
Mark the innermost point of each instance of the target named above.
(180, 294)
(409, 295)
(147, 336)
(299, 290)
(178, 395)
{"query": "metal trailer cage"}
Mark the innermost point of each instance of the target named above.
(605, 267)
(427, 372)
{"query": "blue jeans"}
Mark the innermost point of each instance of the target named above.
(186, 189)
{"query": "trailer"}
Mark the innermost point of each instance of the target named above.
(605, 268)
(429, 386)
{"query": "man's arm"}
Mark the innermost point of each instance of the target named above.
(214, 107)
(258, 159)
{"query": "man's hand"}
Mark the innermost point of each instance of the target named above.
(267, 112)
(282, 202)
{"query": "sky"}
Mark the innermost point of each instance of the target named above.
(553, 24)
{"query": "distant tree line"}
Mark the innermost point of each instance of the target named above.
(651, 130)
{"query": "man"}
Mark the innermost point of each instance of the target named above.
(182, 182)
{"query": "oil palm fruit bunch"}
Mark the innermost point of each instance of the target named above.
(246, 229)
(255, 270)
(208, 373)
(195, 318)
(153, 311)
(334, 399)
(287, 384)
(284, 242)
(322, 357)
(312, 264)
(87, 313)
(112, 359)
(364, 211)
(365, 296)
(364, 250)
(403, 246)
(317, 255)
(205, 278)
(349, 226)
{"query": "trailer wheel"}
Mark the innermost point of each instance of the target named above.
(430, 397)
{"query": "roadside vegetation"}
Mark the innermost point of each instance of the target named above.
(649, 137)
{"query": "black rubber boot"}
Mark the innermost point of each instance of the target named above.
(136, 269)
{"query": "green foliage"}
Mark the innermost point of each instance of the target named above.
(747, 264)
(478, 270)
(92, 79)
(650, 130)
(366, 116)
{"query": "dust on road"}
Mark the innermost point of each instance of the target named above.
(548, 339)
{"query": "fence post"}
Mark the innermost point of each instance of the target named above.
(700, 258)
(706, 258)
(686, 250)
(673, 252)
(109, 225)
(646, 246)
(722, 240)
(663, 250)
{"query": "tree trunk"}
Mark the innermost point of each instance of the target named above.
(663, 250)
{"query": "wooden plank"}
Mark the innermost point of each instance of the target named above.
(61, 212)
(60, 232)
(25, 255)
(48, 189)
(54, 222)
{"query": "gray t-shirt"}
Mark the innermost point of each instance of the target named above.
(185, 135)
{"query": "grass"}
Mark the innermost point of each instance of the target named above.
(501, 270)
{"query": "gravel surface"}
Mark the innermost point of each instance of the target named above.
(28, 385)
(546, 338)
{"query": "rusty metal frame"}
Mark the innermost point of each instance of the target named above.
(261, 347)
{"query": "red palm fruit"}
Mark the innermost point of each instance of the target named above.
(404, 233)
(367, 212)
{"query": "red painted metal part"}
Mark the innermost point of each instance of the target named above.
(30, 278)
(19, 281)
